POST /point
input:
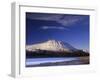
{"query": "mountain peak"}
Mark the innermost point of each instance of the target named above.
(51, 40)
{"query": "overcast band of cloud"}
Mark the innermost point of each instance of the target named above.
(65, 20)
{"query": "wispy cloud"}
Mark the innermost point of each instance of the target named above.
(69, 20)
(53, 27)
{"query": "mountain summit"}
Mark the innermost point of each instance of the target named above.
(51, 45)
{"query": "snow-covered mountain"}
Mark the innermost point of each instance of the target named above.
(51, 45)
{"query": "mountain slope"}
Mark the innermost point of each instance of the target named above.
(51, 45)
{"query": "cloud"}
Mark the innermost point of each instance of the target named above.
(53, 27)
(44, 16)
(63, 19)
(67, 21)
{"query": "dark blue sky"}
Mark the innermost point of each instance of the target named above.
(70, 28)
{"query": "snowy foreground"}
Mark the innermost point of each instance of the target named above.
(35, 62)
